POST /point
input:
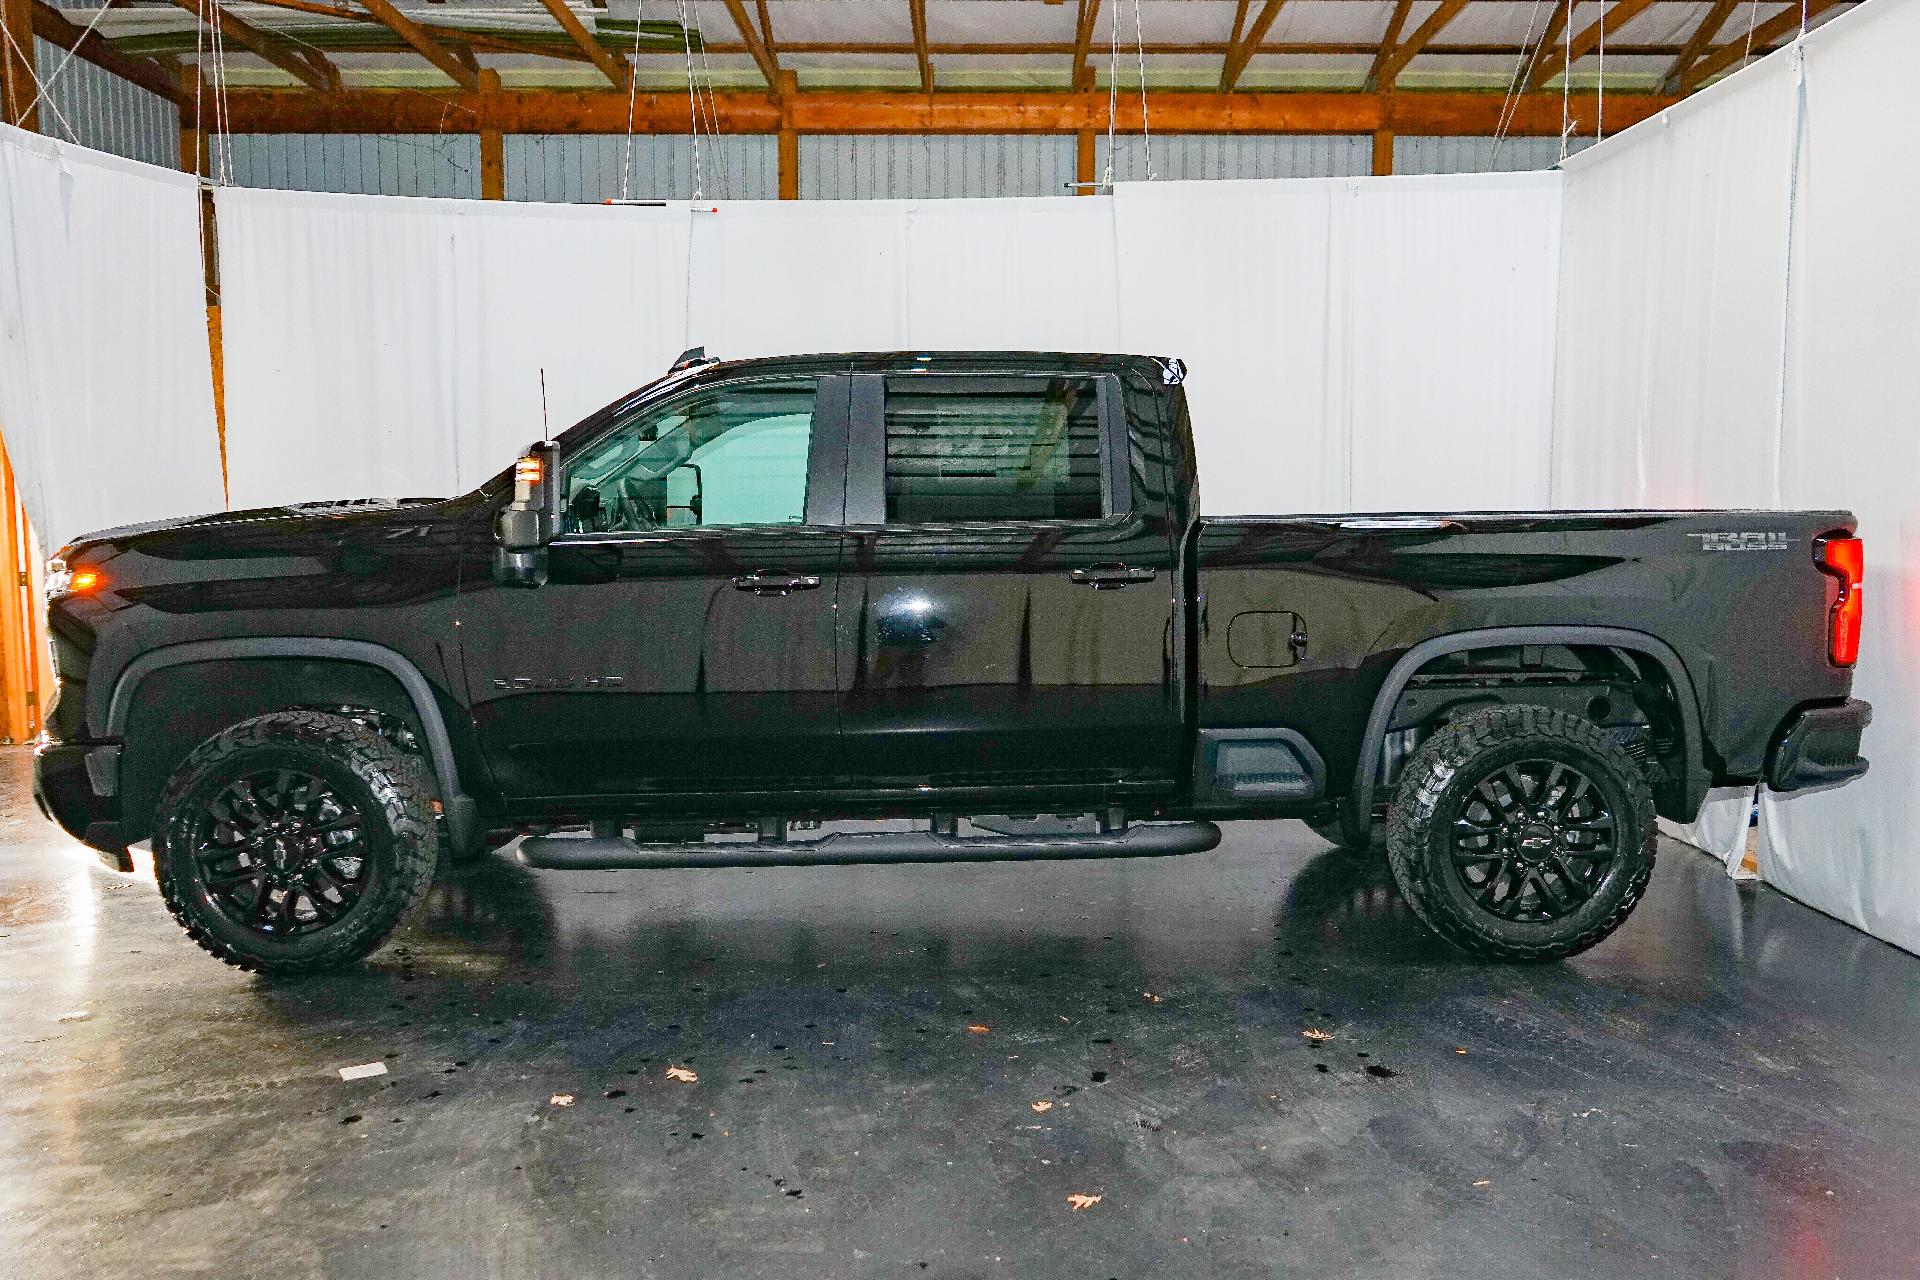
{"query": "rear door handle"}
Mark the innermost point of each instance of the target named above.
(1105, 577)
(776, 584)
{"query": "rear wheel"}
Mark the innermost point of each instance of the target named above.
(294, 842)
(1522, 833)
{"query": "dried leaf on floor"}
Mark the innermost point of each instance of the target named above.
(1149, 996)
(1484, 1182)
(1042, 1106)
(978, 1028)
(686, 1075)
(561, 1100)
(1316, 1035)
(1080, 1201)
(364, 1070)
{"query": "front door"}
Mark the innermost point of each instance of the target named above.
(684, 641)
(1007, 613)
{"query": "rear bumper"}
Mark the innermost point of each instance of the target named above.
(1820, 748)
(75, 785)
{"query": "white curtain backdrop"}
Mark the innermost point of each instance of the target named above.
(106, 382)
(1316, 386)
(1752, 240)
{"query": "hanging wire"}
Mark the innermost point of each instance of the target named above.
(47, 83)
(1753, 14)
(1600, 81)
(1113, 91)
(633, 89)
(1566, 84)
(721, 179)
(26, 60)
(1510, 105)
(1146, 122)
(693, 106)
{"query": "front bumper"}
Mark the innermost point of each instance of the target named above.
(75, 784)
(1821, 747)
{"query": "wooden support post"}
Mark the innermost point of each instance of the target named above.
(1382, 152)
(1083, 166)
(787, 85)
(19, 671)
(493, 144)
(18, 83)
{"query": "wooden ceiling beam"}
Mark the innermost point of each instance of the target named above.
(1239, 55)
(422, 43)
(1558, 60)
(761, 57)
(1423, 36)
(308, 66)
(1733, 52)
(918, 9)
(616, 70)
(1081, 76)
(1697, 43)
(949, 112)
(1388, 43)
(154, 77)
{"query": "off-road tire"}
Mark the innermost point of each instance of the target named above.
(388, 789)
(1437, 789)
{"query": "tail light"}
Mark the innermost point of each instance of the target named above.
(1844, 558)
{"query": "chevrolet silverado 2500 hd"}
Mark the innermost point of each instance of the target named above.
(970, 589)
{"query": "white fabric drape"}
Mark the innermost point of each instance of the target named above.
(1315, 387)
(106, 382)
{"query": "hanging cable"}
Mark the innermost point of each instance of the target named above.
(1511, 103)
(1600, 81)
(1146, 122)
(693, 106)
(48, 82)
(26, 60)
(633, 89)
(722, 182)
(1113, 91)
(1566, 84)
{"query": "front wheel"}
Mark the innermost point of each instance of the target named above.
(294, 842)
(1522, 833)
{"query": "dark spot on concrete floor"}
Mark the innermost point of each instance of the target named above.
(696, 1136)
(839, 991)
(673, 1026)
(1065, 1089)
(1103, 1040)
(1383, 1073)
(434, 1094)
(628, 1110)
(1098, 1077)
(493, 1039)
(795, 1192)
(350, 1120)
(1363, 1054)
(616, 1093)
(1321, 1066)
(808, 1025)
(779, 1048)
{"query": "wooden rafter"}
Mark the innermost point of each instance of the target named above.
(616, 70)
(308, 66)
(1550, 39)
(1389, 41)
(422, 43)
(918, 9)
(1697, 43)
(1735, 51)
(949, 112)
(154, 77)
(1559, 59)
(1240, 54)
(1083, 40)
(772, 46)
(761, 57)
(1423, 35)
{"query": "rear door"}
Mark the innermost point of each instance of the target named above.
(684, 642)
(1006, 608)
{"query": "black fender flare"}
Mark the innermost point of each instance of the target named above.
(462, 813)
(1696, 780)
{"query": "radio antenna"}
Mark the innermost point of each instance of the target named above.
(546, 431)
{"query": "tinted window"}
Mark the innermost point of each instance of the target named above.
(992, 448)
(732, 455)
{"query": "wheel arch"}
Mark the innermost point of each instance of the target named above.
(1695, 781)
(310, 670)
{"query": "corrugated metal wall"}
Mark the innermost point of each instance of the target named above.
(393, 164)
(1479, 155)
(98, 109)
(572, 169)
(1219, 155)
(882, 166)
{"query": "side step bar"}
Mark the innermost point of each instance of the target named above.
(843, 848)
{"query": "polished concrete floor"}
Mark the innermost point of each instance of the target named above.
(1255, 1058)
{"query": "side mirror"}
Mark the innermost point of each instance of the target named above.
(528, 523)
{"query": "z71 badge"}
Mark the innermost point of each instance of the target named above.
(1748, 541)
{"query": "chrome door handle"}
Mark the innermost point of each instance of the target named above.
(1105, 577)
(776, 584)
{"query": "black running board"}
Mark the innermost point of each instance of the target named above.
(843, 848)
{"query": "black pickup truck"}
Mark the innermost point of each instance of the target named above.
(740, 614)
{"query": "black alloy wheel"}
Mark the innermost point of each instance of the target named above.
(281, 853)
(1534, 840)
